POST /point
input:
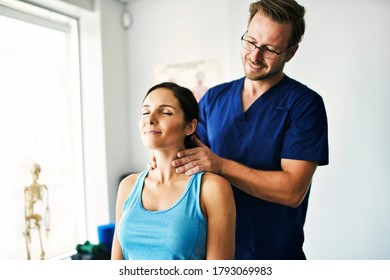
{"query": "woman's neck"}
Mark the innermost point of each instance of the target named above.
(164, 171)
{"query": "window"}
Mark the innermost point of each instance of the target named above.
(40, 122)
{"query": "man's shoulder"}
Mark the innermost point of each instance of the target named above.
(226, 85)
(297, 86)
(223, 89)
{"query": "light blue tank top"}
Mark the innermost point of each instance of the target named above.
(177, 233)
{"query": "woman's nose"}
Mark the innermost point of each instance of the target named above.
(151, 119)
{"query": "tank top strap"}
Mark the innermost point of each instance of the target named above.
(137, 190)
(194, 190)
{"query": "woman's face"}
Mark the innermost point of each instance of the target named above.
(162, 124)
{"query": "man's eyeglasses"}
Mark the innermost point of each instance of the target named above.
(265, 51)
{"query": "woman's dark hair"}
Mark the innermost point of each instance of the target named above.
(187, 102)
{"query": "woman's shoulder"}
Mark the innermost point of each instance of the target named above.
(212, 177)
(127, 184)
(213, 184)
(217, 199)
(132, 178)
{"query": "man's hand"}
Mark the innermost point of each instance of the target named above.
(152, 164)
(201, 158)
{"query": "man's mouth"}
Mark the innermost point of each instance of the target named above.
(254, 65)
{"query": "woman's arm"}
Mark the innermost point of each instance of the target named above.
(125, 187)
(218, 205)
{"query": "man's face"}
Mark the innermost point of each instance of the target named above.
(263, 32)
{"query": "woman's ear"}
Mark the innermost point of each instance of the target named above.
(191, 127)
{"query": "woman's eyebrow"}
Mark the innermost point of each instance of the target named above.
(160, 106)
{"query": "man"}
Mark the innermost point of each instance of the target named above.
(266, 133)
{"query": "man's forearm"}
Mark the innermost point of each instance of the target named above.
(287, 187)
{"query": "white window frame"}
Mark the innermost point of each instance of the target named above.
(95, 172)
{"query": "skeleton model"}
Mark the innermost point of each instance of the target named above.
(35, 200)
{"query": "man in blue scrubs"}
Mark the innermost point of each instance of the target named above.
(266, 133)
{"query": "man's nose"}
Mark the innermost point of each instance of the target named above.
(257, 54)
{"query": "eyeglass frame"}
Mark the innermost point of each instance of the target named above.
(264, 48)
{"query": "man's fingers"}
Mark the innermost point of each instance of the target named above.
(189, 168)
(188, 152)
(152, 165)
(182, 161)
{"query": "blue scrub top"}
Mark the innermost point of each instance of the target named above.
(288, 121)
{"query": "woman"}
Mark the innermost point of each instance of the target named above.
(165, 215)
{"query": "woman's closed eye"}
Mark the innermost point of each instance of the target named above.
(167, 113)
(163, 113)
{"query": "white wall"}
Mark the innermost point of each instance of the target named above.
(344, 56)
(116, 106)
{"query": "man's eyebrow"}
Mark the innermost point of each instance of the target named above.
(252, 38)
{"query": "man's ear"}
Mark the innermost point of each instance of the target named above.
(291, 53)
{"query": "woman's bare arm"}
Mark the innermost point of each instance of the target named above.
(220, 211)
